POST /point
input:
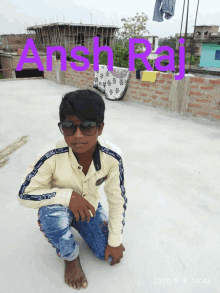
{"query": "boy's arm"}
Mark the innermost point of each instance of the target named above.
(35, 191)
(115, 192)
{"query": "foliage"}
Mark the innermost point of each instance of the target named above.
(170, 42)
(134, 27)
(120, 57)
(1, 75)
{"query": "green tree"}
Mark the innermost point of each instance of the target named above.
(170, 42)
(134, 27)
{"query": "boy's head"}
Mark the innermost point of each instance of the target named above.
(78, 107)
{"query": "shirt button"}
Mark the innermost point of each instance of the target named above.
(79, 167)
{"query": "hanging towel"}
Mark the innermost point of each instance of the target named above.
(163, 6)
(138, 72)
(114, 83)
(117, 83)
(149, 76)
(100, 78)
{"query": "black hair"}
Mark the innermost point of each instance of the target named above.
(84, 104)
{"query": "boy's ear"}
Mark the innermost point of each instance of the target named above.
(101, 128)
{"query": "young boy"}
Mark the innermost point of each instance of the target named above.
(63, 184)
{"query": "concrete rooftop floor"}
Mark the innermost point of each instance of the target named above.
(172, 223)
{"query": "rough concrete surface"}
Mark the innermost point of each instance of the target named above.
(172, 223)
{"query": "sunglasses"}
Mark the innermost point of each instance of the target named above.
(69, 128)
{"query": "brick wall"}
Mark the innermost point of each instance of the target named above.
(6, 63)
(191, 96)
(13, 42)
(9, 61)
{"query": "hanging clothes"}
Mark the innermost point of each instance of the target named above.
(117, 83)
(163, 6)
(99, 81)
(114, 83)
(149, 76)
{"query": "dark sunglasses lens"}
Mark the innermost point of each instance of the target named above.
(87, 128)
(67, 128)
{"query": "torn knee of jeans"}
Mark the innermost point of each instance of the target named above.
(57, 213)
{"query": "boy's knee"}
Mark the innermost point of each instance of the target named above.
(54, 217)
(52, 210)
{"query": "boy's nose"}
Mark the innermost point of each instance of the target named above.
(78, 132)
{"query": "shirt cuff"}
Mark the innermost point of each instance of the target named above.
(114, 240)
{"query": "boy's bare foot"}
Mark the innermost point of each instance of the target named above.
(74, 275)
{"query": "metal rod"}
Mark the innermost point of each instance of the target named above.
(193, 36)
(177, 67)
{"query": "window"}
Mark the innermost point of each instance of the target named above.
(99, 36)
(79, 40)
(217, 55)
(106, 41)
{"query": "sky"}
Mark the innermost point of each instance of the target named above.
(16, 16)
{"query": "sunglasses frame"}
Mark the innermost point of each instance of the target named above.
(60, 124)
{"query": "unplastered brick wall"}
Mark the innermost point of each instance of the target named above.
(191, 96)
(196, 96)
(51, 75)
(26, 65)
(6, 63)
(9, 63)
(13, 42)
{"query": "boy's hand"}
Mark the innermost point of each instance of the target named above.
(115, 252)
(79, 206)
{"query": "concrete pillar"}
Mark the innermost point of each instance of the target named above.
(178, 98)
(60, 75)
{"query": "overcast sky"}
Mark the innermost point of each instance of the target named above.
(16, 16)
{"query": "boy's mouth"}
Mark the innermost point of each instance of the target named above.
(78, 144)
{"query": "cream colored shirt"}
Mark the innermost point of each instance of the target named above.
(55, 174)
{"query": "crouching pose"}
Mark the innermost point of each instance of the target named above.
(63, 182)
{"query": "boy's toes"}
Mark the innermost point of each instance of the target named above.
(84, 283)
(78, 285)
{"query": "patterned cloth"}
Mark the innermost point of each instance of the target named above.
(163, 6)
(114, 83)
(100, 78)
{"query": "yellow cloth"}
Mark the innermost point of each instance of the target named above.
(149, 75)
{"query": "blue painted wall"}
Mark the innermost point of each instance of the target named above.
(209, 53)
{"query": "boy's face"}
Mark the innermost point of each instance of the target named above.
(78, 137)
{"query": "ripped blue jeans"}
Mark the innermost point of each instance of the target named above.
(55, 222)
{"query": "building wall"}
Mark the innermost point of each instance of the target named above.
(11, 43)
(191, 96)
(208, 55)
(205, 33)
(66, 37)
(9, 63)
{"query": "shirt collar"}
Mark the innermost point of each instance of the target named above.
(96, 157)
